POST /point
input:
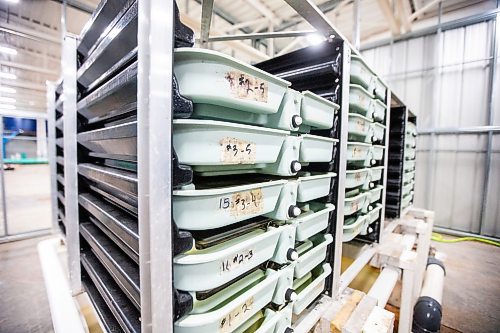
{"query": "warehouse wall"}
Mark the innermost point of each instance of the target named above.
(444, 78)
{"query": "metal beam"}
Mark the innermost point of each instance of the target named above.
(237, 45)
(425, 8)
(325, 7)
(404, 11)
(246, 24)
(261, 8)
(25, 67)
(461, 130)
(314, 16)
(356, 24)
(386, 9)
(262, 35)
(78, 5)
(32, 34)
(206, 21)
(459, 23)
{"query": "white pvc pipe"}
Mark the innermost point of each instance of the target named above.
(433, 282)
(63, 309)
(384, 285)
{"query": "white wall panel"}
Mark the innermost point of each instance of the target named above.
(445, 82)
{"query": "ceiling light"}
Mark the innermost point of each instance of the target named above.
(7, 99)
(315, 39)
(8, 50)
(8, 90)
(9, 76)
(7, 106)
(12, 1)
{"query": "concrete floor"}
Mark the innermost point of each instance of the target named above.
(27, 192)
(471, 298)
(471, 294)
(23, 301)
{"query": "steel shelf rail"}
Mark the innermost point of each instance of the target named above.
(51, 123)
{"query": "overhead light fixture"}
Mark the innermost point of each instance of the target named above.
(7, 90)
(7, 99)
(7, 106)
(315, 39)
(8, 50)
(9, 76)
(12, 1)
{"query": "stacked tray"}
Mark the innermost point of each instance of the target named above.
(257, 216)
(401, 172)
(365, 154)
(59, 131)
(317, 69)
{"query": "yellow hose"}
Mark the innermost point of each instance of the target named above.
(439, 238)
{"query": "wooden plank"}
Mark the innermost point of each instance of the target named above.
(360, 314)
(379, 321)
(345, 312)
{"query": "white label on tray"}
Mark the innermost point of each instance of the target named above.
(237, 151)
(243, 203)
(357, 176)
(245, 86)
(236, 260)
(361, 125)
(356, 152)
(233, 319)
(354, 206)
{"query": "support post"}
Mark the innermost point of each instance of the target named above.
(51, 119)
(71, 162)
(154, 130)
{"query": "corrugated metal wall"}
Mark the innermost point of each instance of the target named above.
(444, 77)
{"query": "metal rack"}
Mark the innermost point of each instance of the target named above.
(118, 200)
(401, 168)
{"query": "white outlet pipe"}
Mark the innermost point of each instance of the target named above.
(384, 285)
(428, 312)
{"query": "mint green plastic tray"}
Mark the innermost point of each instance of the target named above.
(407, 200)
(312, 221)
(379, 110)
(408, 187)
(376, 193)
(360, 101)
(356, 203)
(308, 294)
(234, 304)
(374, 214)
(213, 78)
(376, 173)
(409, 165)
(410, 153)
(358, 153)
(312, 187)
(353, 226)
(315, 148)
(207, 144)
(378, 131)
(217, 261)
(377, 153)
(361, 74)
(380, 90)
(411, 129)
(313, 256)
(408, 177)
(410, 141)
(360, 128)
(357, 178)
(317, 112)
(268, 321)
(216, 207)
